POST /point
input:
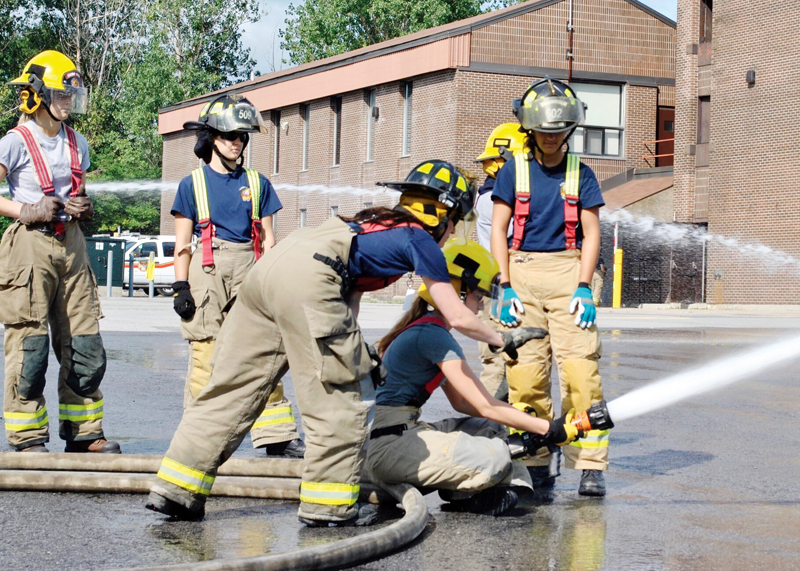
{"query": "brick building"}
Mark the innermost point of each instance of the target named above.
(372, 114)
(736, 105)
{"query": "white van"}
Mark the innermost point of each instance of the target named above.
(164, 249)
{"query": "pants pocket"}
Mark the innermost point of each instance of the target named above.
(339, 351)
(16, 295)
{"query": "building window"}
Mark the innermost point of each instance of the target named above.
(303, 217)
(305, 112)
(336, 105)
(371, 112)
(407, 118)
(334, 211)
(276, 145)
(601, 133)
(703, 120)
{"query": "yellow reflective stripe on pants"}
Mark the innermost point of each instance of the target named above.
(273, 416)
(16, 421)
(81, 412)
(593, 439)
(184, 477)
(329, 494)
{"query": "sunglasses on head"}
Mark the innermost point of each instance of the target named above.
(233, 136)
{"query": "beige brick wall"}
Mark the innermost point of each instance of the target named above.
(611, 36)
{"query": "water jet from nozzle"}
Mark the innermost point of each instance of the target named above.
(704, 379)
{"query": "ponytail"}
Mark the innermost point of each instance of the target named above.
(419, 309)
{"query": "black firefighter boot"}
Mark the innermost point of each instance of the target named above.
(593, 483)
(100, 445)
(174, 510)
(292, 449)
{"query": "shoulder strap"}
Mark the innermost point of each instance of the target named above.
(74, 161)
(41, 168)
(370, 227)
(254, 182)
(200, 189)
(522, 197)
(571, 195)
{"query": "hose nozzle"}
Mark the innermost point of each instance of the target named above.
(595, 418)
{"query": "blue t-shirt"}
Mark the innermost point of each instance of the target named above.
(544, 230)
(393, 252)
(228, 203)
(411, 361)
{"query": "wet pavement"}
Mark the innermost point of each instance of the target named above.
(709, 483)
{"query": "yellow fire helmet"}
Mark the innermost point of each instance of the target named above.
(471, 268)
(505, 140)
(435, 192)
(51, 76)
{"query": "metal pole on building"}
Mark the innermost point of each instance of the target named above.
(571, 32)
(703, 279)
(130, 275)
(109, 271)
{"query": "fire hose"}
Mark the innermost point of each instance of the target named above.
(251, 478)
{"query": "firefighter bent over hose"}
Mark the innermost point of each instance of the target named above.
(467, 459)
(45, 277)
(546, 267)
(300, 303)
(230, 209)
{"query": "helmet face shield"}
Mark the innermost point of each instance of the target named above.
(555, 114)
(76, 99)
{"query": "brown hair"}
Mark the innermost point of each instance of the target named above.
(383, 216)
(418, 309)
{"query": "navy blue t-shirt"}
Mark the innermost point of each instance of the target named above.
(544, 230)
(412, 361)
(228, 203)
(393, 252)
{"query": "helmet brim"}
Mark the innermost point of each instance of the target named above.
(404, 186)
(486, 157)
(194, 125)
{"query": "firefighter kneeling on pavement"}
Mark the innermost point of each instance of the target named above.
(546, 267)
(230, 209)
(45, 277)
(467, 459)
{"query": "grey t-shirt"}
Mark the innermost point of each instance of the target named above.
(21, 181)
(411, 361)
(483, 226)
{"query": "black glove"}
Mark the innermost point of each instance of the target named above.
(183, 302)
(379, 372)
(515, 338)
(562, 431)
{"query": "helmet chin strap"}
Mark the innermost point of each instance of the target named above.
(238, 162)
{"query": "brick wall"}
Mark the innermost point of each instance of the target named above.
(685, 109)
(611, 36)
(753, 194)
(178, 161)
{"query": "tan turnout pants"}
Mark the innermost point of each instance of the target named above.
(289, 314)
(493, 376)
(545, 282)
(461, 454)
(44, 280)
(597, 287)
(214, 290)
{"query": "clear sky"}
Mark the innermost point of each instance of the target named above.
(264, 43)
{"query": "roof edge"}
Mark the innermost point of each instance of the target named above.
(654, 13)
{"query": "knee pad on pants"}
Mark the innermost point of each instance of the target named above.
(530, 384)
(88, 364)
(34, 366)
(200, 376)
(582, 380)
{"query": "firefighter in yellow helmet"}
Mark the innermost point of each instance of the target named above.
(503, 142)
(45, 277)
(553, 202)
(297, 309)
(229, 209)
(468, 459)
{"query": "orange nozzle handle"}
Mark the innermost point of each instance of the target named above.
(581, 421)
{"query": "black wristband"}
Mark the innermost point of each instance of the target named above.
(584, 284)
(505, 285)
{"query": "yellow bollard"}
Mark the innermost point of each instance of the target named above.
(617, 302)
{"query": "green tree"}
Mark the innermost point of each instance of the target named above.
(317, 29)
